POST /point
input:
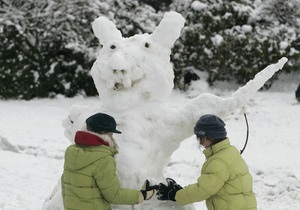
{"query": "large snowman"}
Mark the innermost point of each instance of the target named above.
(134, 79)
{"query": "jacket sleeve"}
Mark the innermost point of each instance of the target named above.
(214, 175)
(109, 184)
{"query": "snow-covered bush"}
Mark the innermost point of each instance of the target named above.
(233, 40)
(47, 47)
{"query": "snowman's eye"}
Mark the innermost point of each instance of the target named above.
(147, 45)
(112, 46)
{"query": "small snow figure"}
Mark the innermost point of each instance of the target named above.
(297, 93)
(188, 77)
(134, 79)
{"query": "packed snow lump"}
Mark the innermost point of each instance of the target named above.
(134, 79)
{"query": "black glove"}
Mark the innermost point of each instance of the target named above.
(168, 192)
(148, 190)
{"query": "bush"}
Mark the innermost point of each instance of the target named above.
(224, 39)
(48, 47)
(46, 52)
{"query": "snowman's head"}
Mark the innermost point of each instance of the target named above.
(137, 69)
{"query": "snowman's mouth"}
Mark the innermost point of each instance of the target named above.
(120, 86)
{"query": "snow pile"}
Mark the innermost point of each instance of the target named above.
(28, 177)
(134, 79)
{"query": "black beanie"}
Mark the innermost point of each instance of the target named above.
(102, 122)
(210, 126)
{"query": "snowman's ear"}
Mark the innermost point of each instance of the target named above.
(168, 30)
(105, 30)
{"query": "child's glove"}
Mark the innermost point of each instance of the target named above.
(148, 191)
(168, 192)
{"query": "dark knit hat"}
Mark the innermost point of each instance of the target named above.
(102, 122)
(210, 126)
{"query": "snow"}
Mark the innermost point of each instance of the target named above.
(198, 6)
(284, 45)
(134, 78)
(247, 28)
(217, 40)
(32, 165)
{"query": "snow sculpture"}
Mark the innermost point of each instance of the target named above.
(134, 78)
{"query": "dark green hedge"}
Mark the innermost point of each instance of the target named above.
(48, 48)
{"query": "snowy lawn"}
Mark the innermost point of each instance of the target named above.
(32, 145)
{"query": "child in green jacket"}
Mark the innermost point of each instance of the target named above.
(89, 179)
(225, 182)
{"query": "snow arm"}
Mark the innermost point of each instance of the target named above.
(243, 94)
(207, 103)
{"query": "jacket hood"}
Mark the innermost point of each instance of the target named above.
(87, 150)
(89, 139)
(216, 148)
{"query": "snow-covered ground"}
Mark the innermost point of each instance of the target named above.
(32, 145)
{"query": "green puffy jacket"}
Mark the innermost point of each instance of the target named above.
(225, 182)
(89, 180)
